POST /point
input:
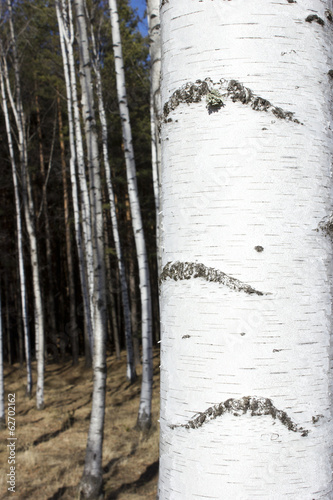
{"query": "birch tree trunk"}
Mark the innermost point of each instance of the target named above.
(144, 414)
(246, 407)
(28, 207)
(91, 482)
(51, 315)
(154, 25)
(23, 289)
(65, 36)
(130, 367)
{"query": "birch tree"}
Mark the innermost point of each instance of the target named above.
(91, 482)
(23, 289)
(28, 203)
(144, 414)
(66, 35)
(154, 25)
(130, 368)
(246, 409)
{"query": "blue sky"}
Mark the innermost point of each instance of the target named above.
(141, 6)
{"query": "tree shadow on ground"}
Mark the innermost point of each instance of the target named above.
(67, 424)
(149, 474)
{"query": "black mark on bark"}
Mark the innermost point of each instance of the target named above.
(216, 93)
(237, 92)
(259, 248)
(326, 225)
(329, 15)
(314, 17)
(187, 270)
(330, 73)
(238, 407)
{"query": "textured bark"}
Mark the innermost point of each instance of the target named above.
(246, 313)
(92, 479)
(144, 415)
(153, 14)
(130, 367)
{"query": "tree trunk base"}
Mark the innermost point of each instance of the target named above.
(91, 488)
(143, 423)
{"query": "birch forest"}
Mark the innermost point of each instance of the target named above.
(79, 263)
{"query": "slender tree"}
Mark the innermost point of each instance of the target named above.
(51, 315)
(144, 415)
(130, 370)
(19, 233)
(92, 479)
(66, 43)
(28, 205)
(246, 407)
(154, 25)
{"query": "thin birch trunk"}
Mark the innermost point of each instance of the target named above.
(29, 211)
(19, 233)
(91, 483)
(144, 414)
(50, 289)
(67, 28)
(130, 366)
(154, 25)
(88, 328)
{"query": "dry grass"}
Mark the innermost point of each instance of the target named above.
(51, 443)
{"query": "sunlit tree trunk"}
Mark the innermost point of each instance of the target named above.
(154, 25)
(28, 207)
(92, 479)
(246, 282)
(51, 319)
(144, 415)
(130, 367)
(66, 43)
(19, 232)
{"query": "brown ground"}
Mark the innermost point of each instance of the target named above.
(51, 447)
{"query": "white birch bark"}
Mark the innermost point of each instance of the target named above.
(2, 385)
(68, 33)
(87, 292)
(91, 482)
(28, 207)
(130, 366)
(144, 414)
(246, 405)
(23, 290)
(153, 14)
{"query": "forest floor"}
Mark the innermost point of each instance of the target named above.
(50, 445)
